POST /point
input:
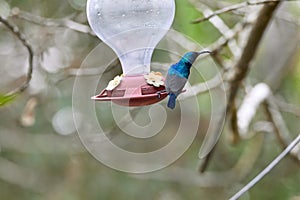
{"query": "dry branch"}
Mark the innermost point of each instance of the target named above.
(233, 8)
(25, 43)
(64, 22)
(243, 64)
(221, 26)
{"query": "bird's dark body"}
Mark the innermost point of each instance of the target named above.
(175, 84)
(178, 75)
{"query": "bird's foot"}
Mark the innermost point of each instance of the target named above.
(159, 93)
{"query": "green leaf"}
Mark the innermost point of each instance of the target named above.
(5, 99)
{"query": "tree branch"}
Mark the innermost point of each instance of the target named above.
(65, 22)
(233, 8)
(201, 88)
(242, 65)
(23, 40)
(287, 107)
(221, 26)
(280, 128)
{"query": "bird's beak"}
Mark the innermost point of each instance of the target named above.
(204, 51)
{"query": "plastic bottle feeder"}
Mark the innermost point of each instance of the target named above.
(132, 28)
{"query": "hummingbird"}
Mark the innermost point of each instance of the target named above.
(178, 75)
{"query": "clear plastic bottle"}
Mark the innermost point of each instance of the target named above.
(132, 28)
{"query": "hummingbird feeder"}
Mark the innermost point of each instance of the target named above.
(132, 28)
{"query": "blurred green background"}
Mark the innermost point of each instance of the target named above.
(41, 156)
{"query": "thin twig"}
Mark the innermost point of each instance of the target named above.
(287, 107)
(93, 71)
(233, 8)
(281, 130)
(221, 26)
(201, 88)
(267, 169)
(23, 40)
(288, 17)
(64, 22)
(278, 122)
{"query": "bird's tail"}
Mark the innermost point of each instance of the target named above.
(172, 101)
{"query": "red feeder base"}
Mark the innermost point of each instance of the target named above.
(133, 91)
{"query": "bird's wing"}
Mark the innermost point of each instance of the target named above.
(175, 84)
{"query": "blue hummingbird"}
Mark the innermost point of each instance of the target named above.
(178, 74)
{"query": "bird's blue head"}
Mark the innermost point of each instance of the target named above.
(192, 56)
